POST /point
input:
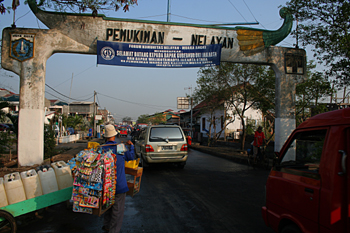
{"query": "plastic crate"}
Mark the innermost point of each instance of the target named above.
(132, 163)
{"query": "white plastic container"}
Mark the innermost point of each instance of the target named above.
(48, 180)
(14, 188)
(63, 174)
(3, 196)
(31, 184)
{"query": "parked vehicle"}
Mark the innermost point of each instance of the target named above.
(162, 144)
(309, 188)
(141, 125)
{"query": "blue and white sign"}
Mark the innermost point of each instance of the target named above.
(22, 46)
(164, 56)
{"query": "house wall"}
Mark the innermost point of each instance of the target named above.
(82, 108)
(48, 118)
(206, 116)
(14, 107)
(252, 114)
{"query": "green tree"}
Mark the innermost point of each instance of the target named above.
(143, 119)
(78, 5)
(2, 7)
(127, 118)
(235, 88)
(157, 118)
(309, 93)
(211, 96)
(7, 140)
(74, 121)
(248, 86)
(325, 25)
(49, 142)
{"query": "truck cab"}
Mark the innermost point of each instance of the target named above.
(308, 190)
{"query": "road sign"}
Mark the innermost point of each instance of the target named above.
(183, 103)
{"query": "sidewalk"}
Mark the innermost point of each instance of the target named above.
(226, 152)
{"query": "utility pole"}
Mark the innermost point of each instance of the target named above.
(191, 102)
(168, 13)
(70, 92)
(94, 133)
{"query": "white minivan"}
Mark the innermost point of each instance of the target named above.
(162, 144)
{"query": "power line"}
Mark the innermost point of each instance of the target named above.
(23, 15)
(251, 12)
(75, 75)
(139, 104)
(196, 19)
(237, 10)
(63, 94)
(55, 96)
(151, 16)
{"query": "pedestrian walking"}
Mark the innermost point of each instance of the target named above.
(259, 140)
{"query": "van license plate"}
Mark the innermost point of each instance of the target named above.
(167, 147)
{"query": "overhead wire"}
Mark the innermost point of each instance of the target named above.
(64, 95)
(22, 16)
(196, 19)
(85, 96)
(139, 104)
(252, 13)
(76, 75)
(59, 98)
(151, 16)
(237, 10)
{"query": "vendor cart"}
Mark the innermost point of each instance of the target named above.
(9, 212)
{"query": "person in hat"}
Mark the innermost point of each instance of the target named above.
(113, 217)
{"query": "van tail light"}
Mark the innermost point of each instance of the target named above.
(149, 148)
(184, 147)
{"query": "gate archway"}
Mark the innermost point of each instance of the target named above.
(78, 33)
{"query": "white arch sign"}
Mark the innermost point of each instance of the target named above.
(25, 52)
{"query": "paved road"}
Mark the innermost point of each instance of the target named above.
(210, 194)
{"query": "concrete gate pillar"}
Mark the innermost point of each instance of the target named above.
(32, 86)
(285, 93)
(31, 112)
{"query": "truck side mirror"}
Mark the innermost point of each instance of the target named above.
(275, 159)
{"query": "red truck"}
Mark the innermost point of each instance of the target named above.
(309, 188)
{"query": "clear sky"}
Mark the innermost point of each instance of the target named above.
(129, 91)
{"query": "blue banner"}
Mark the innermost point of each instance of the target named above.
(164, 56)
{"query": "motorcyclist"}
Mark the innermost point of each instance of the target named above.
(134, 134)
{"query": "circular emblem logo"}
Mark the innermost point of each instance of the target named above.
(107, 53)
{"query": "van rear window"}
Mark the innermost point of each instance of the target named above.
(159, 134)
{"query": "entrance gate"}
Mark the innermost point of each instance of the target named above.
(25, 52)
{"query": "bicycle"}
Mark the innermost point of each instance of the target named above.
(262, 159)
